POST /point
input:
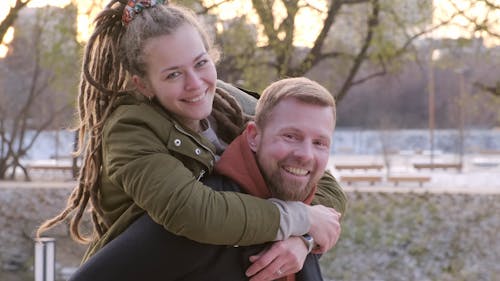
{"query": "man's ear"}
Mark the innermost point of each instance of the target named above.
(142, 86)
(253, 136)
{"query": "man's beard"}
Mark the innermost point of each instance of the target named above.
(288, 190)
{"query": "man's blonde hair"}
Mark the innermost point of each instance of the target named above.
(300, 88)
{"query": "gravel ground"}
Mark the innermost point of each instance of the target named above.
(417, 236)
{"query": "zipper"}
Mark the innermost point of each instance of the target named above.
(202, 173)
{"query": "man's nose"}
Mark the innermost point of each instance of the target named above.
(304, 151)
(193, 80)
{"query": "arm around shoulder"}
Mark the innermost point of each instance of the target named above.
(139, 166)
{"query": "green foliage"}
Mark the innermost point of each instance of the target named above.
(243, 63)
(60, 50)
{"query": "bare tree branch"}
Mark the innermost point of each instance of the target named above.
(491, 5)
(17, 133)
(312, 58)
(11, 17)
(204, 10)
(373, 75)
(330, 55)
(373, 22)
(264, 10)
(494, 90)
(375, 41)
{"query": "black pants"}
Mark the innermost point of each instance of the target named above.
(146, 251)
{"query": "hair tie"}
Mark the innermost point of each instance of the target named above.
(134, 7)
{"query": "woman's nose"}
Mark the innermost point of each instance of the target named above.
(193, 80)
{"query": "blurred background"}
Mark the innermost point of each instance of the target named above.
(417, 86)
(430, 66)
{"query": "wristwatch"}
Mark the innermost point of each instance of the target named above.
(309, 241)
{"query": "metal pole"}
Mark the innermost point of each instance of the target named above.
(432, 98)
(45, 257)
(462, 117)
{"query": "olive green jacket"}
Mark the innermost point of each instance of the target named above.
(142, 145)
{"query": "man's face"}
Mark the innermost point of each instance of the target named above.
(293, 147)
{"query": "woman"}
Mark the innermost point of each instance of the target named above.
(148, 91)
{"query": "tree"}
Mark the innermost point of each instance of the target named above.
(359, 40)
(11, 17)
(37, 79)
(480, 25)
(494, 90)
(353, 34)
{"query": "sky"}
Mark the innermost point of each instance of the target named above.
(304, 36)
(4, 9)
(474, 10)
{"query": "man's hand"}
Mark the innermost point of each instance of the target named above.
(325, 227)
(281, 259)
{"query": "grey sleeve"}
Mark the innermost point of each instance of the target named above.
(294, 219)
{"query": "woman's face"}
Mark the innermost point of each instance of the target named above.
(180, 74)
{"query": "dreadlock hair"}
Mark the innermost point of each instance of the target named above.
(112, 55)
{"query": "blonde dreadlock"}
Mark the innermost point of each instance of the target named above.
(112, 54)
(103, 80)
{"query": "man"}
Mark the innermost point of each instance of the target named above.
(283, 154)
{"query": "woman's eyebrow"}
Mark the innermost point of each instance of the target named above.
(177, 67)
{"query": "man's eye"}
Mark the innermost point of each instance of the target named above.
(321, 144)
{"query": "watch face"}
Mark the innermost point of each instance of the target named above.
(309, 238)
(309, 241)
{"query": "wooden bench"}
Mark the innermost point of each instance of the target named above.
(65, 169)
(371, 179)
(359, 167)
(419, 179)
(485, 162)
(489, 152)
(432, 166)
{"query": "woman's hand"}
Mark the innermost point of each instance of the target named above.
(281, 259)
(325, 227)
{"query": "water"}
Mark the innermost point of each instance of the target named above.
(59, 144)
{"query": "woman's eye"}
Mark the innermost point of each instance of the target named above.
(201, 63)
(173, 75)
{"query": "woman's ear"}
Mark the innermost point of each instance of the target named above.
(253, 136)
(142, 86)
